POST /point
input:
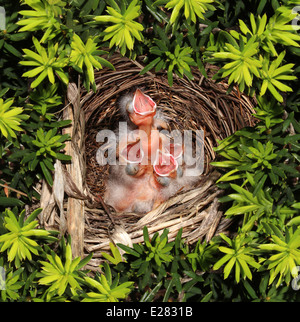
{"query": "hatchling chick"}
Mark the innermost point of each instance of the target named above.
(183, 176)
(137, 103)
(130, 193)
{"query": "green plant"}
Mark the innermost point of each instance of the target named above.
(49, 62)
(108, 289)
(124, 30)
(18, 242)
(10, 118)
(153, 255)
(89, 55)
(271, 75)
(45, 100)
(58, 275)
(278, 30)
(173, 57)
(269, 112)
(192, 8)
(203, 255)
(259, 206)
(175, 268)
(237, 255)
(259, 156)
(287, 254)
(262, 292)
(11, 43)
(47, 146)
(252, 68)
(13, 284)
(116, 257)
(44, 16)
(243, 65)
(154, 251)
(258, 52)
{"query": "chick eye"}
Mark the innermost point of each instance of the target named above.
(164, 181)
(132, 169)
(129, 108)
(179, 172)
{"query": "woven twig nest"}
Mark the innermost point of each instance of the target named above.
(200, 104)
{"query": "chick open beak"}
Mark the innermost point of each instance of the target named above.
(132, 153)
(174, 149)
(164, 164)
(143, 104)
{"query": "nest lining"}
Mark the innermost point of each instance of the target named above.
(200, 104)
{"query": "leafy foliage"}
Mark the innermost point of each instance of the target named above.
(243, 66)
(12, 285)
(150, 256)
(287, 256)
(47, 61)
(278, 30)
(256, 45)
(10, 118)
(88, 55)
(115, 257)
(11, 42)
(124, 29)
(47, 147)
(271, 76)
(260, 158)
(44, 100)
(172, 57)
(252, 67)
(192, 8)
(17, 241)
(44, 16)
(53, 279)
(237, 255)
(61, 275)
(108, 290)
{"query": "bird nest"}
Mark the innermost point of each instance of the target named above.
(201, 104)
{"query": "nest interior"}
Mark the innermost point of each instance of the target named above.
(201, 104)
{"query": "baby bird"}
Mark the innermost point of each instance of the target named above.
(131, 105)
(141, 110)
(127, 193)
(187, 174)
(130, 185)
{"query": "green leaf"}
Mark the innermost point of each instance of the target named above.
(294, 221)
(129, 250)
(250, 290)
(207, 297)
(148, 296)
(260, 185)
(240, 210)
(10, 202)
(46, 173)
(222, 261)
(63, 157)
(12, 50)
(170, 77)
(228, 267)
(33, 216)
(150, 66)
